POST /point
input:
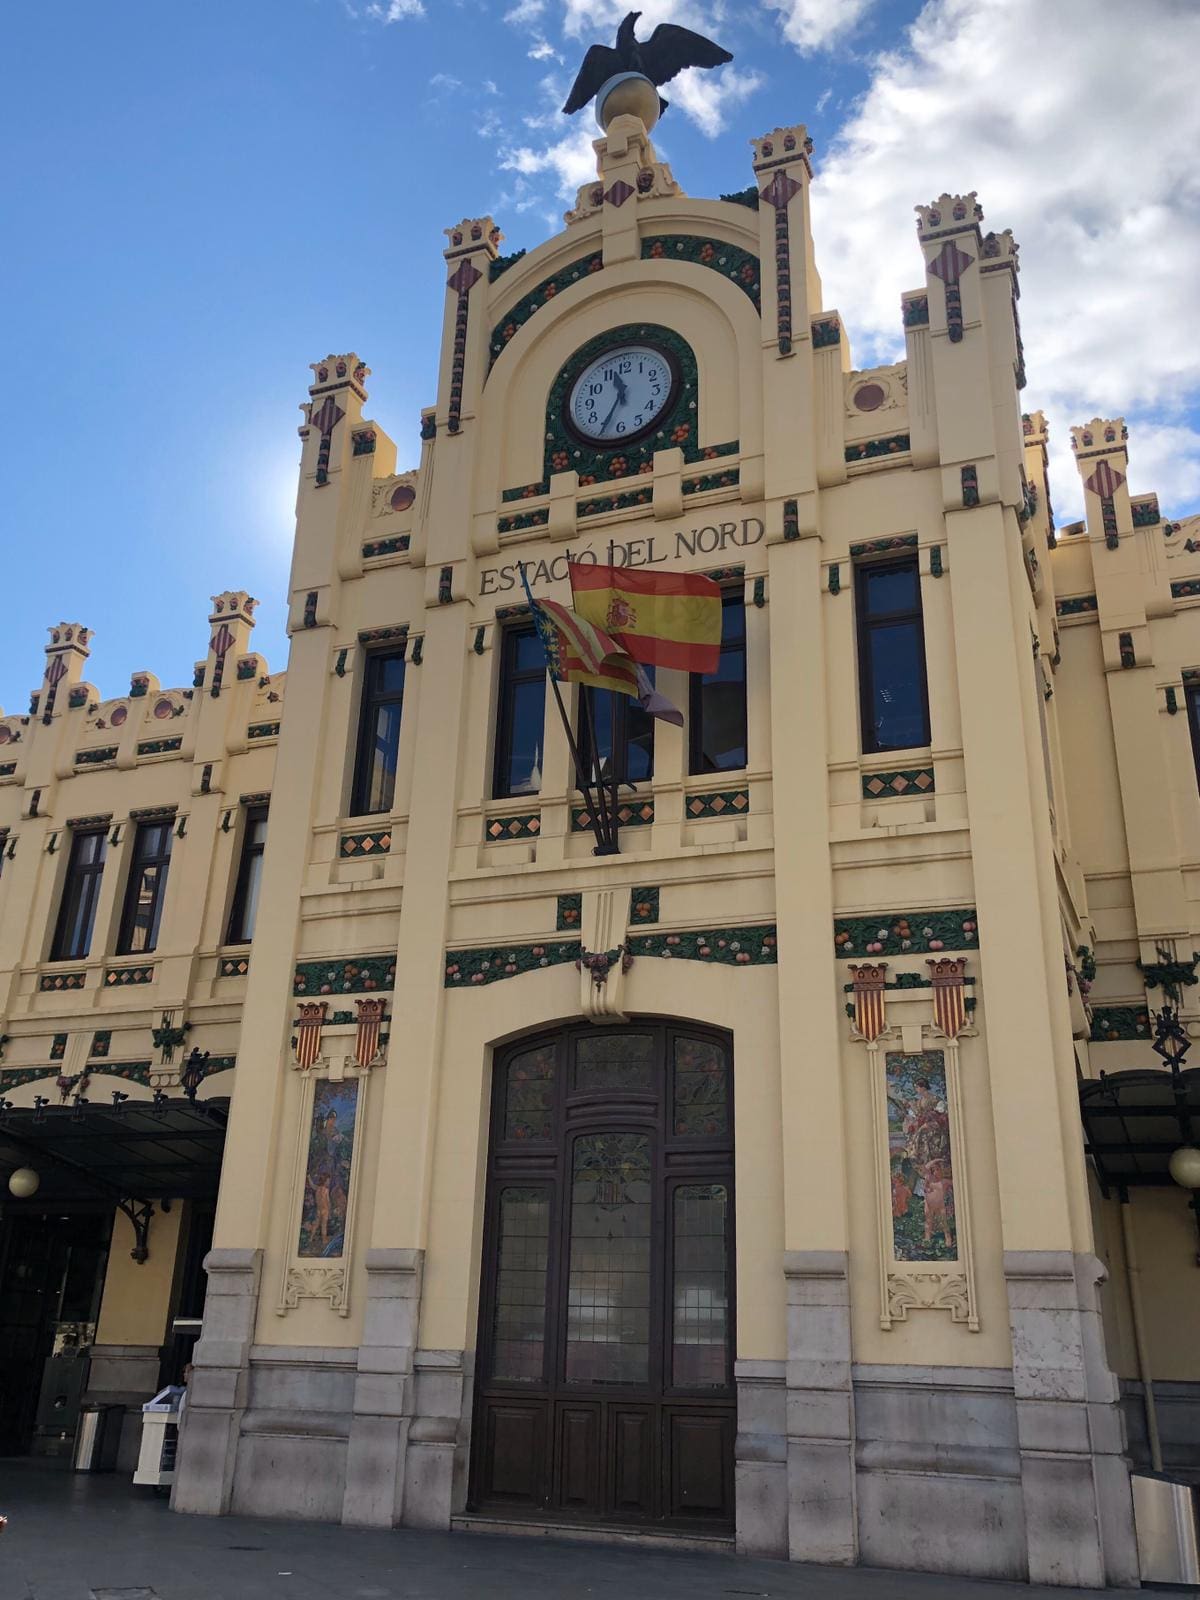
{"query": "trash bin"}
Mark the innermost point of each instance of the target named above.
(1166, 1514)
(160, 1438)
(98, 1437)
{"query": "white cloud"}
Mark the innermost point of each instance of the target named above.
(598, 19)
(571, 160)
(525, 11)
(708, 97)
(395, 10)
(543, 50)
(1078, 130)
(816, 24)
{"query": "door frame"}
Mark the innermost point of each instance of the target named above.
(508, 1163)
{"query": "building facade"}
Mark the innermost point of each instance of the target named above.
(730, 1187)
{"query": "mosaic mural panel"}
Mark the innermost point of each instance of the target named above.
(326, 1199)
(922, 1169)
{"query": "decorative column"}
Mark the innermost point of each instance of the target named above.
(261, 1136)
(1077, 1510)
(1124, 598)
(791, 296)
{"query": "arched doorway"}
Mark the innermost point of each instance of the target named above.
(606, 1340)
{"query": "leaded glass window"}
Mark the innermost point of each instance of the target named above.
(700, 1315)
(701, 1089)
(529, 1095)
(519, 1326)
(614, 1061)
(608, 1290)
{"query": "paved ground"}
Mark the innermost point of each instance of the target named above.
(96, 1538)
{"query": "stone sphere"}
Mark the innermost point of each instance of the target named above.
(629, 94)
(24, 1183)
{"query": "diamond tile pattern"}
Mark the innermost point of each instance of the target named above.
(502, 828)
(886, 785)
(722, 803)
(630, 814)
(376, 842)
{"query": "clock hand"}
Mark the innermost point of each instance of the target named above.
(620, 398)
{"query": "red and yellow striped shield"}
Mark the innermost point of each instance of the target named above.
(949, 994)
(370, 1020)
(308, 1031)
(869, 978)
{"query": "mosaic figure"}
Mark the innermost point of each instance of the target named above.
(327, 1174)
(922, 1169)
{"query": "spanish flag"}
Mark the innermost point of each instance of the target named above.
(577, 652)
(663, 619)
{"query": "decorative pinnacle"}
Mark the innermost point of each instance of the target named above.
(338, 370)
(1098, 433)
(782, 142)
(949, 211)
(1033, 426)
(1000, 247)
(233, 603)
(69, 634)
(474, 233)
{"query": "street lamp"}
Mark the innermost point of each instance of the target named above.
(24, 1183)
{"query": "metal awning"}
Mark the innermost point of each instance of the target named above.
(1134, 1121)
(162, 1149)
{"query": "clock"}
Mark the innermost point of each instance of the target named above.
(622, 395)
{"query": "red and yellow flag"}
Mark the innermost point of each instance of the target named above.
(578, 652)
(663, 619)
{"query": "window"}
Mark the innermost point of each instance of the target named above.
(891, 657)
(522, 712)
(619, 724)
(249, 878)
(1191, 693)
(146, 887)
(81, 890)
(378, 735)
(717, 700)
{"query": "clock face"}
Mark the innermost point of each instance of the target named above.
(622, 395)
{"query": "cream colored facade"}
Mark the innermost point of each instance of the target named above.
(962, 1414)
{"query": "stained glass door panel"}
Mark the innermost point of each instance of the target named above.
(605, 1366)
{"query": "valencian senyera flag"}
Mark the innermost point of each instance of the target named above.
(663, 619)
(579, 652)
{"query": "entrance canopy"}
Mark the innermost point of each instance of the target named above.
(169, 1149)
(1134, 1121)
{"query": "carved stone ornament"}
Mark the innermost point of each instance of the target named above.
(927, 1291)
(315, 1283)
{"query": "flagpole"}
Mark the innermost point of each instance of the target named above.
(597, 813)
(608, 820)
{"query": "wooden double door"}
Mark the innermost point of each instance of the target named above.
(605, 1375)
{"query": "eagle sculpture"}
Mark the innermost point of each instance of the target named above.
(667, 51)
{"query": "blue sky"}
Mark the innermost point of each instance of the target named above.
(205, 197)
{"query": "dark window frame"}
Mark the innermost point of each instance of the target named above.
(139, 862)
(252, 850)
(81, 880)
(864, 624)
(510, 678)
(1191, 699)
(697, 765)
(624, 707)
(373, 699)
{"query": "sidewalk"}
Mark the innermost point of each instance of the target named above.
(96, 1538)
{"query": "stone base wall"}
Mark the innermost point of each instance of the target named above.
(958, 1470)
